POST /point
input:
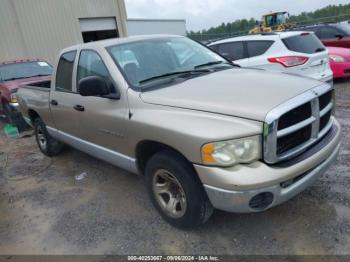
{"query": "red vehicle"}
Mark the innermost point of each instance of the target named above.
(339, 59)
(337, 35)
(15, 74)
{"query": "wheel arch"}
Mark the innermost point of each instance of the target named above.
(33, 115)
(147, 148)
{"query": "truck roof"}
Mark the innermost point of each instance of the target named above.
(260, 36)
(115, 41)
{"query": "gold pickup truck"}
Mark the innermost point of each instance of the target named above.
(203, 132)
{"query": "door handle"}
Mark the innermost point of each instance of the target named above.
(79, 108)
(54, 102)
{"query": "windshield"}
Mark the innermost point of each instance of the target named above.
(281, 18)
(163, 57)
(24, 70)
(275, 19)
(345, 29)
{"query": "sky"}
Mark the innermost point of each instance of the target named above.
(203, 14)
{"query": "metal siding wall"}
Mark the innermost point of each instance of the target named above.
(149, 26)
(11, 41)
(46, 26)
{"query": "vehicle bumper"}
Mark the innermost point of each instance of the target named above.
(341, 70)
(257, 187)
(328, 79)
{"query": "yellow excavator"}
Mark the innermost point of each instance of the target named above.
(271, 22)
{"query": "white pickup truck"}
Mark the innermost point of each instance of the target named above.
(204, 132)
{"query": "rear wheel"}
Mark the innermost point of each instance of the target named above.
(47, 144)
(176, 190)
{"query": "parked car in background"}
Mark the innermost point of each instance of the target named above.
(203, 132)
(337, 35)
(15, 74)
(339, 59)
(299, 53)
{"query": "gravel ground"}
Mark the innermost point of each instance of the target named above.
(44, 210)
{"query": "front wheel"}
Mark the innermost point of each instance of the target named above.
(176, 190)
(47, 144)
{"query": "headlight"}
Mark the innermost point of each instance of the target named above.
(231, 152)
(13, 99)
(337, 58)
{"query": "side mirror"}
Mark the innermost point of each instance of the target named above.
(93, 86)
(339, 36)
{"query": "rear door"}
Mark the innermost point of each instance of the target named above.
(63, 95)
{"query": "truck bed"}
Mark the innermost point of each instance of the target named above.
(35, 97)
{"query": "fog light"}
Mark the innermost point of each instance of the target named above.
(261, 201)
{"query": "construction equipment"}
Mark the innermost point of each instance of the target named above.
(271, 22)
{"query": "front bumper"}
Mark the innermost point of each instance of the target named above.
(341, 70)
(234, 189)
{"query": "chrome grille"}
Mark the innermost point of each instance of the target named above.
(294, 126)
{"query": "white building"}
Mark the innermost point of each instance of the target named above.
(40, 28)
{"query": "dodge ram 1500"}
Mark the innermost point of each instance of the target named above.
(203, 132)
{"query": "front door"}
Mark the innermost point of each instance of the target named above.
(103, 120)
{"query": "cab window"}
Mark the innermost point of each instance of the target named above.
(64, 72)
(91, 64)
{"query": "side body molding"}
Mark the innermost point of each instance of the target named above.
(97, 151)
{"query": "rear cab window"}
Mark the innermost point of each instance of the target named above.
(64, 72)
(306, 43)
(256, 48)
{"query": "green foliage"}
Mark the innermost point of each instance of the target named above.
(331, 13)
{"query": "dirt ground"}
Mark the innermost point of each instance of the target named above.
(44, 210)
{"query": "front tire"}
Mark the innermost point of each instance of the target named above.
(176, 191)
(47, 144)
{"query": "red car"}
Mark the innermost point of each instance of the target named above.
(337, 35)
(16, 74)
(339, 59)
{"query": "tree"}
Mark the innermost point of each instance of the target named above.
(331, 13)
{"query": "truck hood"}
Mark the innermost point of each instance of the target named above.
(246, 93)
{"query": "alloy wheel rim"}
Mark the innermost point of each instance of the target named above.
(169, 193)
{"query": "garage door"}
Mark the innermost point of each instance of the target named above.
(94, 29)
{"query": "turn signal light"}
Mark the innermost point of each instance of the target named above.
(289, 61)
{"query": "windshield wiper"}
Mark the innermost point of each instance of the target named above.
(217, 63)
(209, 64)
(173, 74)
(39, 75)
